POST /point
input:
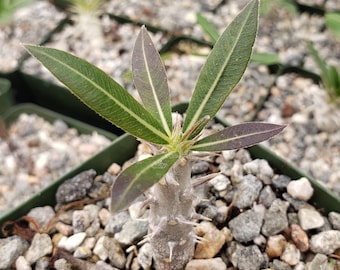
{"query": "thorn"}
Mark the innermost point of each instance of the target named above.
(201, 180)
(201, 217)
(171, 248)
(184, 221)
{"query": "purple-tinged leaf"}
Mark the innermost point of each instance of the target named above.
(137, 178)
(238, 136)
(150, 79)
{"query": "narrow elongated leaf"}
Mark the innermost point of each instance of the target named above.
(137, 178)
(101, 93)
(150, 79)
(208, 27)
(225, 66)
(238, 136)
(333, 22)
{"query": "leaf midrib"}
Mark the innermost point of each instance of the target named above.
(121, 105)
(206, 98)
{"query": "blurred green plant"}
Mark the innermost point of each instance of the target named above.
(8, 8)
(261, 58)
(332, 20)
(330, 75)
(173, 139)
(267, 6)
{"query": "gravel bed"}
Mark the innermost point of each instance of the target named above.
(271, 224)
(37, 152)
(29, 25)
(311, 139)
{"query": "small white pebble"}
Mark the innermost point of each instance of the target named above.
(300, 189)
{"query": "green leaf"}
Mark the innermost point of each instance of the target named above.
(208, 27)
(334, 78)
(320, 63)
(265, 58)
(238, 136)
(150, 80)
(333, 22)
(224, 67)
(137, 178)
(101, 93)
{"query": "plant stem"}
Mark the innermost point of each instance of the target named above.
(172, 237)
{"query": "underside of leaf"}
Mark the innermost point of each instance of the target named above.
(238, 136)
(137, 178)
(150, 79)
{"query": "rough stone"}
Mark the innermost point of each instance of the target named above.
(299, 237)
(281, 181)
(22, 264)
(10, 249)
(115, 223)
(279, 265)
(145, 256)
(267, 196)
(275, 219)
(75, 188)
(41, 246)
(310, 219)
(334, 219)
(325, 242)
(114, 252)
(132, 231)
(275, 245)
(248, 191)
(80, 221)
(42, 215)
(320, 261)
(300, 189)
(199, 167)
(291, 255)
(212, 243)
(203, 264)
(246, 226)
(261, 169)
(73, 242)
(250, 257)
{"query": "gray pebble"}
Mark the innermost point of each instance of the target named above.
(319, 261)
(75, 188)
(199, 167)
(10, 249)
(281, 181)
(297, 204)
(275, 219)
(42, 215)
(250, 257)
(261, 169)
(248, 191)
(334, 219)
(62, 264)
(246, 226)
(60, 127)
(267, 196)
(132, 231)
(279, 265)
(116, 222)
(325, 242)
(145, 256)
(41, 246)
(80, 221)
(310, 218)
